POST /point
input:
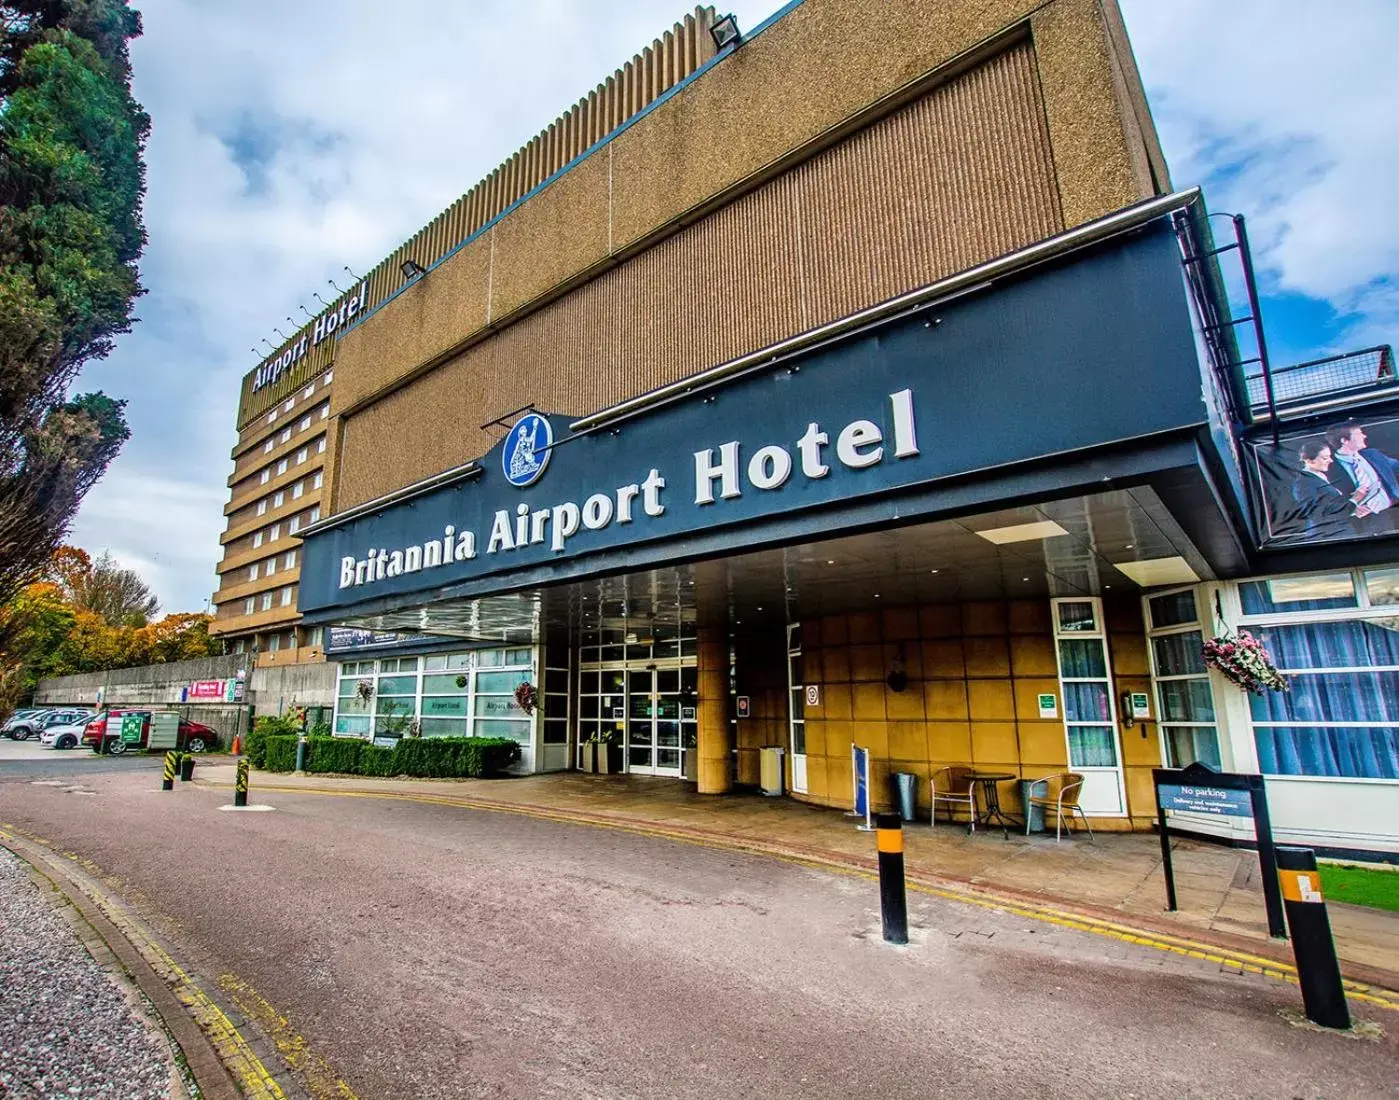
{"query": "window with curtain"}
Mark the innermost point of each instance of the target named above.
(1184, 699)
(1341, 717)
(1086, 683)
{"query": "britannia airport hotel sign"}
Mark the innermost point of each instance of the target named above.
(873, 429)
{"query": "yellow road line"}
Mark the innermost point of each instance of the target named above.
(228, 1042)
(298, 1053)
(1160, 941)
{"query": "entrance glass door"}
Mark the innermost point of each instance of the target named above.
(658, 720)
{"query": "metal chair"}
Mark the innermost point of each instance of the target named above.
(956, 790)
(1061, 798)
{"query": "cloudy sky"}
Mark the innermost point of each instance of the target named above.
(290, 140)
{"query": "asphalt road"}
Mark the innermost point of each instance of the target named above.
(35, 760)
(425, 951)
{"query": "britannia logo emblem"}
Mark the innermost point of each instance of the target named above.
(527, 449)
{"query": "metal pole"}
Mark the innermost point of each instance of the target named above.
(893, 901)
(1246, 258)
(240, 784)
(301, 754)
(1267, 858)
(167, 782)
(1318, 972)
(1166, 867)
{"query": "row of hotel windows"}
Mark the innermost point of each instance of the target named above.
(272, 643)
(306, 395)
(285, 598)
(273, 533)
(269, 567)
(285, 435)
(301, 456)
(297, 492)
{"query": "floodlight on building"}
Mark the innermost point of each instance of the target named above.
(724, 31)
(411, 270)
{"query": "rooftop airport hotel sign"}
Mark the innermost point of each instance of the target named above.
(890, 424)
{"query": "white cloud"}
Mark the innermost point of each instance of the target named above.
(1289, 112)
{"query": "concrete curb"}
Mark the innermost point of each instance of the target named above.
(1371, 985)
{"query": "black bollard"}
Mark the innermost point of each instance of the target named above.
(186, 767)
(1318, 972)
(167, 783)
(240, 784)
(893, 901)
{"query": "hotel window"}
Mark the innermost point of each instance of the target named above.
(276, 530)
(279, 499)
(289, 560)
(298, 490)
(1184, 700)
(252, 571)
(286, 596)
(291, 639)
(295, 524)
(282, 467)
(262, 507)
(271, 565)
(313, 636)
(318, 481)
(309, 392)
(274, 643)
(286, 435)
(320, 446)
(240, 645)
(325, 410)
(305, 423)
(265, 476)
(290, 402)
(328, 379)
(267, 447)
(272, 417)
(249, 605)
(315, 514)
(1336, 637)
(1090, 722)
(267, 601)
(302, 455)
(257, 540)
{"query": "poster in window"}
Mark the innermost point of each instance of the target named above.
(1333, 483)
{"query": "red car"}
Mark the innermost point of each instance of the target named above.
(192, 737)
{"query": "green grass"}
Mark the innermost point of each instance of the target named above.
(1360, 886)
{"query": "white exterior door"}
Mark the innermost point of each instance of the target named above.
(1090, 711)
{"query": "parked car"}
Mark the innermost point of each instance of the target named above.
(18, 717)
(39, 721)
(65, 735)
(103, 734)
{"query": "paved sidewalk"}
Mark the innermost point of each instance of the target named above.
(1118, 878)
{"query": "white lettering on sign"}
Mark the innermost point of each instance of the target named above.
(721, 473)
(859, 445)
(325, 326)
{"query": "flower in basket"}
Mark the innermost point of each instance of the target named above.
(527, 697)
(1244, 659)
(365, 690)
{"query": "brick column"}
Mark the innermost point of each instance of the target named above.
(714, 739)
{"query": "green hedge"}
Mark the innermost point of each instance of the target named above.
(268, 725)
(418, 757)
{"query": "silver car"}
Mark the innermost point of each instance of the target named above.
(21, 729)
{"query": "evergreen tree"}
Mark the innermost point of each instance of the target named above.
(71, 183)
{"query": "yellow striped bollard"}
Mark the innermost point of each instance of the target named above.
(240, 785)
(168, 782)
(893, 901)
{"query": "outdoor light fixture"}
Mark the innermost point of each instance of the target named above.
(411, 270)
(724, 31)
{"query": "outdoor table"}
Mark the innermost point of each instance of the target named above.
(991, 799)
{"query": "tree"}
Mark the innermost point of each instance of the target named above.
(71, 184)
(118, 596)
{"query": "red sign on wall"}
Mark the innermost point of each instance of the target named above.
(206, 689)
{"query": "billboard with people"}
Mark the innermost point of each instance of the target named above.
(1330, 484)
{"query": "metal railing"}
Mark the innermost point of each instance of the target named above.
(1337, 378)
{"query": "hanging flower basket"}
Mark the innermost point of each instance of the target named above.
(365, 690)
(1244, 660)
(527, 697)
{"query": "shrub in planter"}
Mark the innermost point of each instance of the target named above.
(335, 754)
(281, 753)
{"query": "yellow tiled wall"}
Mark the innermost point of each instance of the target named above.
(974, 672)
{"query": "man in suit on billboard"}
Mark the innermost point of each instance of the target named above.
(1365, 475)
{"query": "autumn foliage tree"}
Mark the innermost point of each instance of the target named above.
(71, 184)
